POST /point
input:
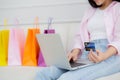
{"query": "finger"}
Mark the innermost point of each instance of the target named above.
(93, 58)
(69, 57)
(98, 52)
(75, 58)
(89, 57)
(91, 54)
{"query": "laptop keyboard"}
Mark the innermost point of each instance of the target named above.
(77, 64)
(73, 64)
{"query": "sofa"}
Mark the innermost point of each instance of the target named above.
(28, 72)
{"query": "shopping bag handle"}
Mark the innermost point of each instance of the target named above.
(5, 22)
(50, 19)
(36, 22)
(16, 22)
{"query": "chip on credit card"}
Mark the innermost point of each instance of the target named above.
(89, 46)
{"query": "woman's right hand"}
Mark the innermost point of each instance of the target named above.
(74, 54)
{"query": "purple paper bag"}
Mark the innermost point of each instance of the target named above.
(41, 61)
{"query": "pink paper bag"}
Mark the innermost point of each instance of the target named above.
(16, 46)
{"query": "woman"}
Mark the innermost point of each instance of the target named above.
(101, 25)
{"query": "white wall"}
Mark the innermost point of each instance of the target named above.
(63, 11)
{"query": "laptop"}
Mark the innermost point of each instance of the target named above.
(54, 52)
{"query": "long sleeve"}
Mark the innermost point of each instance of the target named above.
(116, 38)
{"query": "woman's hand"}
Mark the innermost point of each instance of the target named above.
(100, 56)
(74, 54)
(97, 57)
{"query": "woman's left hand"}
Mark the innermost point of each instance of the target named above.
(96, 57)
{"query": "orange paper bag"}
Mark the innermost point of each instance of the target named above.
(31, 50)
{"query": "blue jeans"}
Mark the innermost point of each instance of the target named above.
(104, 68)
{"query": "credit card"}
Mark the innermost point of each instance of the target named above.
(89, 46)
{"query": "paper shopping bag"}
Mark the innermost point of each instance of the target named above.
(31, 50)
(4, 37)
(16, 46)
(21, 40)
(41, 61)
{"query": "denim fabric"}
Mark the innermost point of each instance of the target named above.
(104, 68)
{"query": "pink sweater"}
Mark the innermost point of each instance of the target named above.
(112, 25)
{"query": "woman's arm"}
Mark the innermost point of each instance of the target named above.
(113, 46)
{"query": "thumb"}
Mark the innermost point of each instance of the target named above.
(98, 52)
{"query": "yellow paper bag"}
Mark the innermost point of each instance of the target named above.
(4, 37)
